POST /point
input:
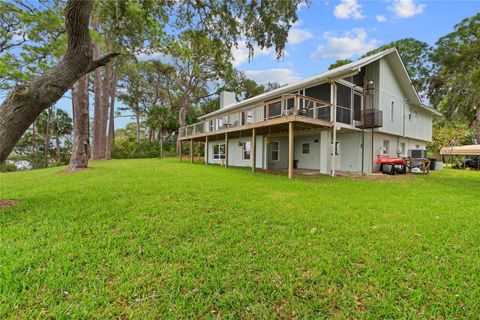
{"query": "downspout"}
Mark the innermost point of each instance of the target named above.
(333, 99)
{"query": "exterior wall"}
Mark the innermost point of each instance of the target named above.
(418, 123)
(235, 158)
(282, 162)
(408, 120)
(350, 153)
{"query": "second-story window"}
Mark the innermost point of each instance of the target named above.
(210, 125)
(249, 116)
(220, 123)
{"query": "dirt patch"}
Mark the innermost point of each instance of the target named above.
(5, 204)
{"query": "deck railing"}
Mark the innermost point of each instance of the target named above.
(289, 104)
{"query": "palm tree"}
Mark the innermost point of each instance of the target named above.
(160, 118)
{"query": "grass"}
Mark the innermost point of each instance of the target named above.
(163, 239)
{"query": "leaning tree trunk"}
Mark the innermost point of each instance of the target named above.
(79, 158)
(26, 101)
(99, 128)
(111, 118)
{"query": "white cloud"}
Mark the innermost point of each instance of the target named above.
(381, 18)
(407, 8)
(280, 75)
(298, 35)
(351, 44)
(147, 56)
(240, 54)
(348, 9)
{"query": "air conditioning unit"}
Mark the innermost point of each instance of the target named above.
(417, 153)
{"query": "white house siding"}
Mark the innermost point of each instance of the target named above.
(350, 153)
(235, 158)
(390, 92)
(408, 120)
(418, 123)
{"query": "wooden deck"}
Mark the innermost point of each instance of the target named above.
(279, 124)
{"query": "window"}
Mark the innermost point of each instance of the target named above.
(246, 150)
(392, 108)
(219, 151)
(210, 125)
(386, 146)
(220, 123)
(305, 148)
(242, 118)
(275, 150)
(249, 116)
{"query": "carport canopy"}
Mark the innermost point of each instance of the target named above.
(468, 150)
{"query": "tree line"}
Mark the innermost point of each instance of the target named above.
(80, 48)
(50, 48)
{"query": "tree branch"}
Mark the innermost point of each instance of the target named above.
(103, 61)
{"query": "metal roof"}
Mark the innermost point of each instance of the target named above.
(473, 149)
(333, 74)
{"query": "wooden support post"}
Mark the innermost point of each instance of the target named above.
(191, 150)
(254, 150)
(226, 150)
(290, 149)
(206, 150)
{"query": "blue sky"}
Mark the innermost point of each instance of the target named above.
(344, 29)
(331, 30)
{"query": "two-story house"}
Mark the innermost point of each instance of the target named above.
(340, 120)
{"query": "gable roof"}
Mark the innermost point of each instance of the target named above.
(391, 54)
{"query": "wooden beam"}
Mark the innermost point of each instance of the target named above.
(290, 149)
(191, 150)
(226, 150)
(254, 149)
(206, 150)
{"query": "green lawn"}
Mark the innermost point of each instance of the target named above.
(163, 239)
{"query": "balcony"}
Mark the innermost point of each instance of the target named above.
(369, 119)
(272, 112)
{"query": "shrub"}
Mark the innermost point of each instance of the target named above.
(131, 149)
(7, 167)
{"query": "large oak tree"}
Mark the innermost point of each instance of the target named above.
(26, 101)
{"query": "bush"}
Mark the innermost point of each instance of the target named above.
(7, 167)
(131, 149)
